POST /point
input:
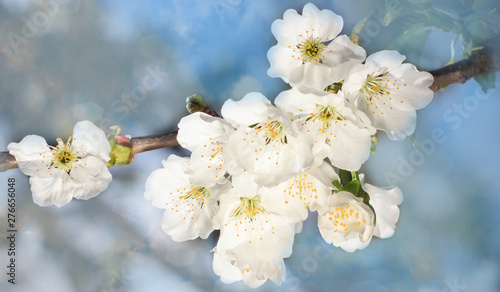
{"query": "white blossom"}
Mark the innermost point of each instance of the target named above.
(205, 136)
(254, 236)
(75, 169)
(266, 143)
(347, 222)
(310, 189)
(189, 208)
(310, 55)
(389, 92)
(337, 132)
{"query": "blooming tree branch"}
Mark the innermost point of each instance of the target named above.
(255, 174)
(481, 61)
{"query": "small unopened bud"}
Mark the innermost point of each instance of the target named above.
(195, 103)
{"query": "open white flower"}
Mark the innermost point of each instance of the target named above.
(385, 202)
(347, 223)
(337, 132)
(189, 208)
(254, 237)
(265, 143)
(75, 169)
(389, 92)
(205, 136)
(310, 55)
(309, 189)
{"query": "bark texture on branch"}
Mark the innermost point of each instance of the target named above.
(146, 143)
(481, 61)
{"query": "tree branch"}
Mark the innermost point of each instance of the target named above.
(7, 161)
(147, 143)
(481, 61)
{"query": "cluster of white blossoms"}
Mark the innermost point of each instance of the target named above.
(255, 174)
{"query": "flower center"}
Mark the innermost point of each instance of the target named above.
(311, 49)
(251, 219)
(249, 208)
(64, 156)
(301, 188)
(273, 131)
(346, 217)
(198, 194)
(325, 115)
(373, 86)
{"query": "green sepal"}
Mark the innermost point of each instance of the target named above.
(121, 152)
(120, 155)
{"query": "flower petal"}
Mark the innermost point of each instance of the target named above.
(341, 55)
(32, 154)
(90, 177)
(251, 109)
(198, 128)
(54, 189)
(328, 24)
(89, 139)
(385, 203)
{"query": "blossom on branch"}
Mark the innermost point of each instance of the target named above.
(266, 143)
(189, 208)
(310, 189)
(337, 132)
(346, 222)
(254, 235)
(389, 92)
(205, 136)
(310, 55)
(75, 169)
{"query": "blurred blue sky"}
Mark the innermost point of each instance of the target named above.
(88, 57)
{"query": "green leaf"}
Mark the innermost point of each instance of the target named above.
(337, 184)
(411, 43)
(486, 80)
(345, 176)
(352, 187)
(484, 5)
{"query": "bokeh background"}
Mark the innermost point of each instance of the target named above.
(67, 60)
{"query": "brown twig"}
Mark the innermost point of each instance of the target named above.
(147, 143)
(481, 61)
(7, 161)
